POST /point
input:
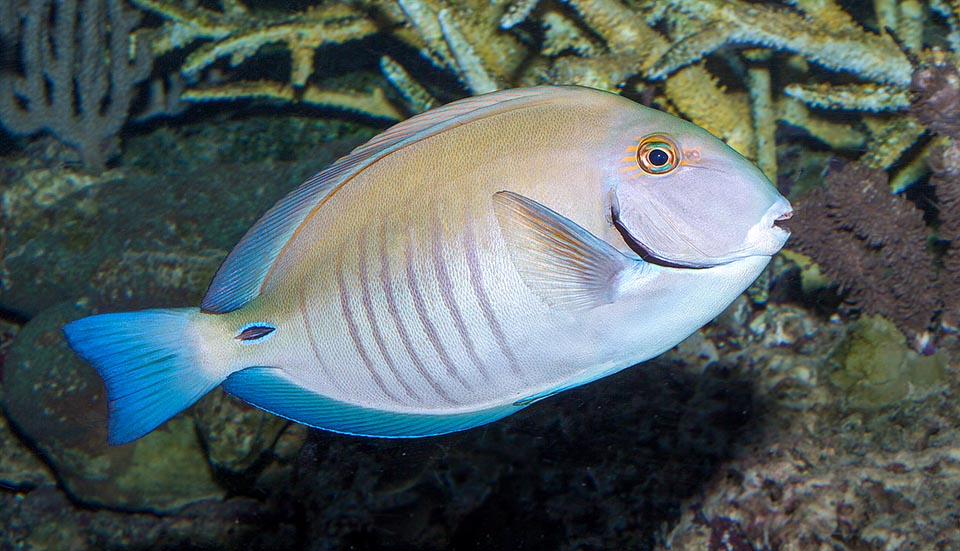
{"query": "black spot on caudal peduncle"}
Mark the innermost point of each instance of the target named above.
(255, 331)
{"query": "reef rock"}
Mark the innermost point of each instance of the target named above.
(237, 436)
(20, 468)
(151, 234)
(858, 449)
(57, 402)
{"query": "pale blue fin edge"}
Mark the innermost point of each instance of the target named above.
(148, 369)
(270, 389)
(243, 273)
(563, 263)
(584, 378)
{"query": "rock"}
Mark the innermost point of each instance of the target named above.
(151, 234)
(120, 240)
(20, 468)
(57, 402)
(45, 520)
(875, 367)
(598, 467)
(280, 471)
(148, 235)
(39, 523)
(236, 435)
(858, 449)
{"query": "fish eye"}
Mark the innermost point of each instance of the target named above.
(657, 155)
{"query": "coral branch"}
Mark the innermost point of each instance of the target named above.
(238, 34)
(733, 21)
(374, 104)
(79, 68)
(861, 97)
(636, 45)
(418, 98)
(873, 244)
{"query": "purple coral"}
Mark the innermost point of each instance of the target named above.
(72, 69)
(873, 244)
(936, 104)
(944, 160)
(936, 99)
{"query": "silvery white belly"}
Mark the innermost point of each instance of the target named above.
(451, 327)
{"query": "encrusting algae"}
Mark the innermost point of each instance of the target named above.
(875, 367)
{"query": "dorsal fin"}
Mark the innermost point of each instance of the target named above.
(242, 275)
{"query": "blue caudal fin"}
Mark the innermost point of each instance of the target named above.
(147, 363)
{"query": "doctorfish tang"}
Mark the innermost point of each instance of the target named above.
(456, 268)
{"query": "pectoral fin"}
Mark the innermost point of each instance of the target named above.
(567, 266)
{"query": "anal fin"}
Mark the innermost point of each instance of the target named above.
(274, 390)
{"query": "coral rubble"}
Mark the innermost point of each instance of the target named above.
(829, 473)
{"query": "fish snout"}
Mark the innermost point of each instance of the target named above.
(769, 236)
(780, 212)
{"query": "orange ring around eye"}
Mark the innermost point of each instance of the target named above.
(657, 154)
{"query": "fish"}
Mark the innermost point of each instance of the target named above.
(464, 264)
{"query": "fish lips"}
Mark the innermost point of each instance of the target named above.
(769, 235)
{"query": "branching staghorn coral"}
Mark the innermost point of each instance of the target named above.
(819, 57)
(806, 57)
(417, 97)
(374, 103)
(820, 33)
(465, 38)
(239, 35)
(828, 37)
(633, 46)
(610, 44)
(665, 44)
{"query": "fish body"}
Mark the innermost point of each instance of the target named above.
(459, 267)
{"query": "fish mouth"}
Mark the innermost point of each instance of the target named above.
(780, 212)
(769, 235)
(783, 218)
